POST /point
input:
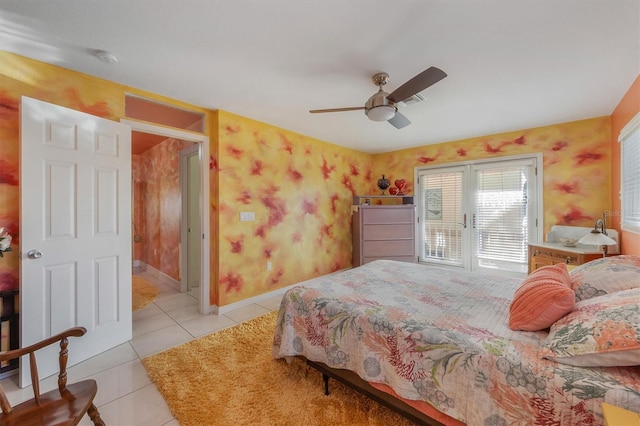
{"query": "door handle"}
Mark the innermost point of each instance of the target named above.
(464, 223)
(34, 254)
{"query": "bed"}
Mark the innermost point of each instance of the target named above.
(440, 341)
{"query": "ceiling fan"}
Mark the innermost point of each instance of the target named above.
(382, 106)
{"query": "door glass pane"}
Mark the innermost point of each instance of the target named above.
(500, 219)
(441, 213)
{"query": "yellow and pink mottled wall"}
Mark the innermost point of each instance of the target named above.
(299, 188)
(576, 157)
(20, 76)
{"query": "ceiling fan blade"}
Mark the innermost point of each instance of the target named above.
(314, 111)
(417, 84)
(399, 121)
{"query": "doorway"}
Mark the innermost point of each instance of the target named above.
(201, 145)
(479, 215)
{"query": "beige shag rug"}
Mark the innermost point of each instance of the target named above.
(230, 378)
(143, 293)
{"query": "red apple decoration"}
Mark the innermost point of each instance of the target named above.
(393, 190)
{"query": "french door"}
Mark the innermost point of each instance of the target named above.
(479, 215)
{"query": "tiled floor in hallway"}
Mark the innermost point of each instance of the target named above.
(126, 396)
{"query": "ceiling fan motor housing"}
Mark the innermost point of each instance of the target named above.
(379, 108)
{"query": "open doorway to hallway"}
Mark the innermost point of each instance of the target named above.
(159, 192)
(161, 224)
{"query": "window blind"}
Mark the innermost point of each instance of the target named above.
(500, 218)
(630, 179)
(442, 213)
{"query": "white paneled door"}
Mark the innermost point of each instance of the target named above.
(75, 232)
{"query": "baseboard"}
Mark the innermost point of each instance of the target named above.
(161, 276)
(219, 310)
(9, 373)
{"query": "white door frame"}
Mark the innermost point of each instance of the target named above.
(185, 232)
(203, 141)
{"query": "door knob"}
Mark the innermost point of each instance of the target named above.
(34, 254)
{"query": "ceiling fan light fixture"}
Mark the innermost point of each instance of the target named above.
(382, 106)
(381, 112)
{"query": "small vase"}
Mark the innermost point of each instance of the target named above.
(383, 184)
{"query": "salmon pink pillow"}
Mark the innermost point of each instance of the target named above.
(543, 297)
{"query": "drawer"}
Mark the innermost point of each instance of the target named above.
(387, 232)
(387, 215)
(387, 248)
(410, 259)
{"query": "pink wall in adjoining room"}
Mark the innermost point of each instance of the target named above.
(157, 206)
(138, 214)
(628, 107)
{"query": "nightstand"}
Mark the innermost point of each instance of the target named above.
(553, 253)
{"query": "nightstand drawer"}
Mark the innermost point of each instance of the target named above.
(540, 255)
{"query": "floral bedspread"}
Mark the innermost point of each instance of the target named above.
(442, 336)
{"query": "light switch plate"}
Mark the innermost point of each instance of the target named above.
(247, 216)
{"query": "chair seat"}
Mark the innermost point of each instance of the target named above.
(53, 408)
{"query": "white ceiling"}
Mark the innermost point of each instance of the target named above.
(511, 64)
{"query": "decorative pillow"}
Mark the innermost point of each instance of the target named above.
(605, 275)
(603, 331)
(543, 297)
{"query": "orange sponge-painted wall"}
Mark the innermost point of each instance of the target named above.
(628, 107)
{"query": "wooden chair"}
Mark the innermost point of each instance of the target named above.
(64, 406)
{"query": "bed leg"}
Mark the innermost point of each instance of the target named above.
(326, 384)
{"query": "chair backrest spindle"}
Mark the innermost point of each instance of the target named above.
(64, 356)
(63, 406)
(4, 402)
(35, 381)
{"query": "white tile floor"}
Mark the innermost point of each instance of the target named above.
(126, 396)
